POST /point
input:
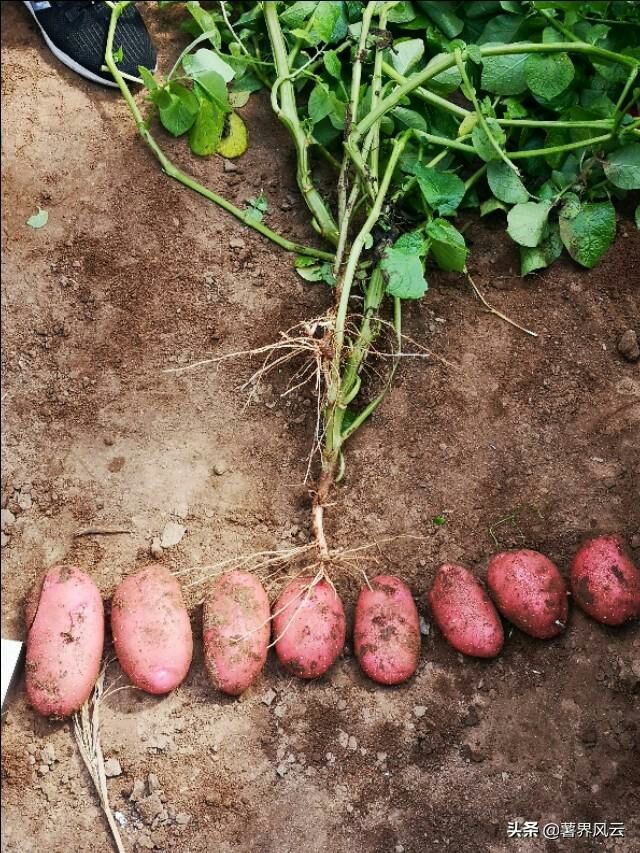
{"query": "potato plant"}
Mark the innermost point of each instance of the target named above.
(525, 110)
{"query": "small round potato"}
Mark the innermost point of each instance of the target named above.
(309, 627)
(236, 630)
(65, 623)
(604, 581)
(528, 590)
(464, 613)
(151, 630)
(386, 632)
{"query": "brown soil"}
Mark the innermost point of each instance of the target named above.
(517, 441)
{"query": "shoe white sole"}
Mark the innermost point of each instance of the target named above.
(66, 59)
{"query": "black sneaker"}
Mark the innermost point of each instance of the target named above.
(77, 34)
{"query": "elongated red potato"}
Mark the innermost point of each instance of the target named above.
(529, 591)
(151, 630)
(309, 627)
(464, 613)
(604, 581)
(236, 631)
(65, 623)
(386, 633)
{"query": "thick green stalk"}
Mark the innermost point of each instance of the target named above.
(182, 177)
(284, 102)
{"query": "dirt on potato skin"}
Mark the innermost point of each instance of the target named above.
(520, 442)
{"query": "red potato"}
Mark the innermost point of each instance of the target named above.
(604, 581)
(386, 633)
(309, 627)
(528, 590)
(65, 623)
(464, 613)
(236, 630)
(151, 630)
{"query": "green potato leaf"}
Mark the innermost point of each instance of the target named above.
(482, 143)
(504, 75)
(447, 245)
(405, 54)
(548, 75)
(623, 167)
(206, 130)
(588, 235)
(539, 257)
(527, 222)
(177, 107)
(442, 191)
(204, 60)
(402, 267)
(505, 184)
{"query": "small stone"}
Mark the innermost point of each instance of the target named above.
(150, 807)
(50, 791)
(399, 848)
(635, 541)
(108, 440)
(280, 711)
(505, 776)
(228, 166)
(282, 769)
(381, 757)
(43, 769)
(330, 757)
(353, 743)
(4, 539)
(349, 808)
(628, 346)
(268, 697)
(156, 548)
(48, 754)
(144, 842)
(153, 783)
(7, 519)
(343, 739)
(237, 243)
(419, 711)
(182, 818)
(31, 759)
(342, 704)
(172, 534)
(112, 768)
(220, 468)
(424, 627)
(137, 792)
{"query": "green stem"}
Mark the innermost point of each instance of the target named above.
(448, 61)
(557, 149)
(619, 113)
(287, 112)
(182, 177)
(561, 28)
(425, 94)
(336, 391)
(481, 118)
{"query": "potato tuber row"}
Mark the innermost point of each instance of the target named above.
(153, 640)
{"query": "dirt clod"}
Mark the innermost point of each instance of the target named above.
(628, 345)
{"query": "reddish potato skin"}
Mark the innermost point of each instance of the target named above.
(151, 630)
(464, 613)
(236, 630)
(309, 628)
(386, 633)
(65, 623)
(604, 581)
(529, 591)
